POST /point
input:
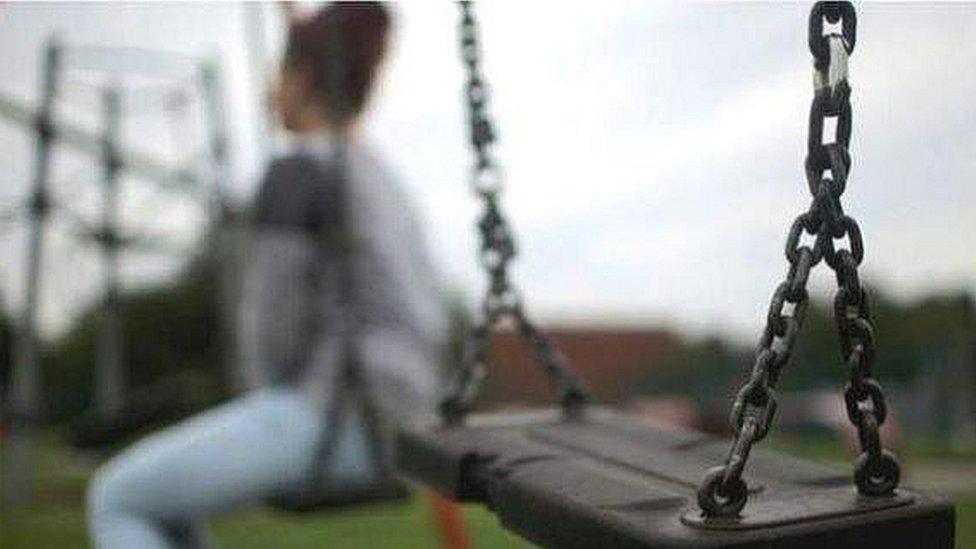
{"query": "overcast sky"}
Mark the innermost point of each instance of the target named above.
(653, 152)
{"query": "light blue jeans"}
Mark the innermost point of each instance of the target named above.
(157, 493)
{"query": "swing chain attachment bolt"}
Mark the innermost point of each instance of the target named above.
(501, 300)
(723, 493)
(719, 499)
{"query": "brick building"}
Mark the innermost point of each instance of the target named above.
(608, 359)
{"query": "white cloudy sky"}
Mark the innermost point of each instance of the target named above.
(653, 151)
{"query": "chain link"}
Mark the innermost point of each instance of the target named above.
(723, 492)
(497, 249)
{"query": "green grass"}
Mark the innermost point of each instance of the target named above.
(56, 519)
(966, 521)
(407, 526)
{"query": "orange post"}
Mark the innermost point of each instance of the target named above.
(450, 522)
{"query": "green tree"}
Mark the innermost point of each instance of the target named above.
(171, 349)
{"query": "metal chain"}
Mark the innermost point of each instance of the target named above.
(502, 300)
(723, 493)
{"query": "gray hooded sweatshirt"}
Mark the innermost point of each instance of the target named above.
(295, 314)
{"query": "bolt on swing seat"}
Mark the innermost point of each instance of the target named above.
(586, 476)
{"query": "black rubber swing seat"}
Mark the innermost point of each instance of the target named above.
(608, 480)
(341, 497)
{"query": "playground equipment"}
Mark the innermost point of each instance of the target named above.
(583, 476)
(201, 175)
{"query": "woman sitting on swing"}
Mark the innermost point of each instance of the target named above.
(266, 443)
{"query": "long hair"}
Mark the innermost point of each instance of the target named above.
(341, 46)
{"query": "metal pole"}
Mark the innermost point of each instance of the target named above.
(109, 379)
(86, 142)
(227, 230)
(25, 388)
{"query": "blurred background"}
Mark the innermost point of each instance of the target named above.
(653, 157)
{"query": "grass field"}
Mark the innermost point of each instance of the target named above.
(56, 520)
(407, 526)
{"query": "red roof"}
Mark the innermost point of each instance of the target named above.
(608, 360)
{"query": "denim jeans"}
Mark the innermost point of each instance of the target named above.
(157, 493)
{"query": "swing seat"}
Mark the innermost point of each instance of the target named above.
(607, 480)
(339, 497)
